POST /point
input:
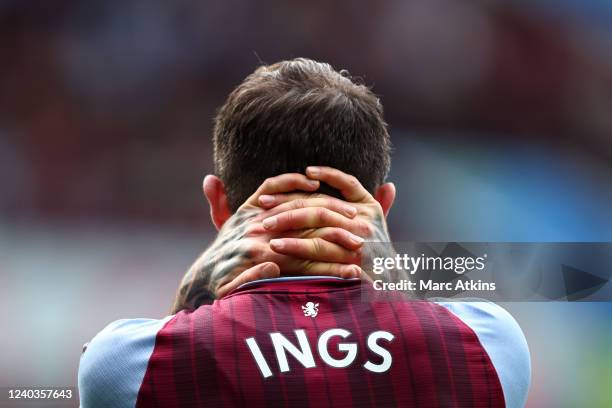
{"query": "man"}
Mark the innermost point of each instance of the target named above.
(322, 338)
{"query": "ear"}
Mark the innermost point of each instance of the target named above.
(214, 191)
(385, 195)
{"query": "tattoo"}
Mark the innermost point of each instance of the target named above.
(224, 257)
(227, 256)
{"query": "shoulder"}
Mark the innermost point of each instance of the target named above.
(503, 340)
(113, 365)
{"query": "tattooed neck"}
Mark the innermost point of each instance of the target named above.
(225, 254)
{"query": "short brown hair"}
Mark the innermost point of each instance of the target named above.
(298, 113)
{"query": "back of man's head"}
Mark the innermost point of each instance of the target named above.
(298, 113)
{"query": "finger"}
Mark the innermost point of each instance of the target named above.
(314, 217)
(336, 235)
(348, 185)
(272, 200)
(283, 184)
(264, 270)
(330, 269)
(315, 249)
(334, 204)
(261, 252)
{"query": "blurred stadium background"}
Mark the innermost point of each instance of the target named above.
(500, 113)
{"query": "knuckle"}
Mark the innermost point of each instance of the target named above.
(377, 208)
(321, 214)
(299, 203)
(289, 216)
(256, 250)
(369, 229)
(336, 234)
(251, 230)
(317, 245)
(366, 228)
(307, 266)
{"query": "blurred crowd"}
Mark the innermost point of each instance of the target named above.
(106, 107)
(500, 113)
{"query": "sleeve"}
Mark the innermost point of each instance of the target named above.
(113, 365)
(504, 342)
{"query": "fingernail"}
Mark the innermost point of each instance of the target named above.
(356, 271)
(355, 238)
(277, 243)
(313, 170)
(350, 210)
(269, 223)
(313, 183)
(266, 199)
